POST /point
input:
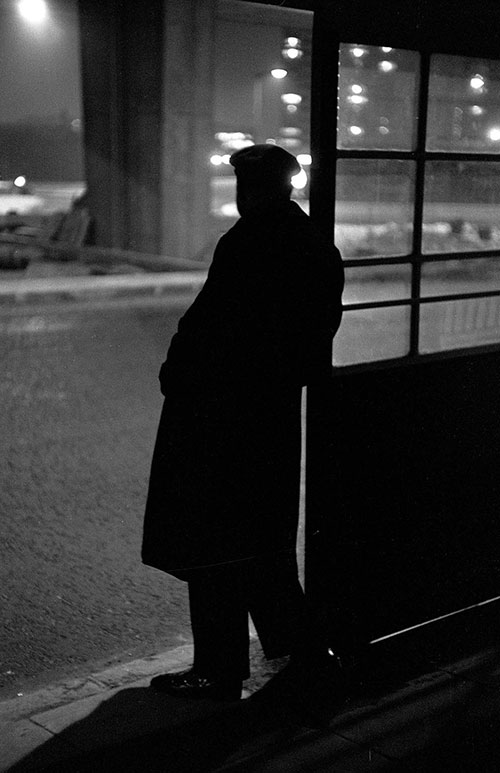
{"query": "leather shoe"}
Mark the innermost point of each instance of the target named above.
(190, 684)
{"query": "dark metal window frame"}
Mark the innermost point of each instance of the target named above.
(420, 156)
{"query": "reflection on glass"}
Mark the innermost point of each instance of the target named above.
(464, 105)
(452, 277)
(461, 206)
(367, 284)
(372, 334)
(459, 324)
(262, 93)
(377, 97)
(374, 207)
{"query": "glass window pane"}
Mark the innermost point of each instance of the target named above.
(460, 276)
(377, 97)
(461, 205)
(459, 324)
(377, 283)
(374, 207)
(372, 334)
(262, 72)
(464, 105)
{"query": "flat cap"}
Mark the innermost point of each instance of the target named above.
(267, 161)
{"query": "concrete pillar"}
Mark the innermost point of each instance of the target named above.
(147, 84)
(187, 128)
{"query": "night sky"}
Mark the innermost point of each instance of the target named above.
(39, 63)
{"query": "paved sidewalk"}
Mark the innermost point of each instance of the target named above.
(418, 711)
(78, 288)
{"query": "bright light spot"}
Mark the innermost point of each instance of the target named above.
(292, 108)
(279, 73)
(358, 52)
(292, 42)
(494, 134)
(476, 110)
(291, 99)
(34, 11)
(225, 158)
(386, 66)
(227, 136)
(20, 181)
(386, 49)
(356, 130)
(304, 159)
(216, 160)
(356, 88)
(357, 99)
(477, 82)
(383, 130)
(229, 210)
(291, 131)
(292, 53)
(299, 180)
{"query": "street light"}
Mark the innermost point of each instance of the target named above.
(33, 11)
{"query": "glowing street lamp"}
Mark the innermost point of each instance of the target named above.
(33, 11)
(292, 48)
(477, 82)
(279, 73)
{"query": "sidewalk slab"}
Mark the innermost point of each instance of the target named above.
(85, 287)
(18, 738)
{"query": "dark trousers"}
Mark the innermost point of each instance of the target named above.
(221, 598)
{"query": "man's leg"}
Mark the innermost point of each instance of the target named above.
(219, 621)
(278, 608)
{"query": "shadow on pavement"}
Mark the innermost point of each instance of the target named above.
(140, 730)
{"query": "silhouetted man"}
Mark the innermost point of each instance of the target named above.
(222, 509)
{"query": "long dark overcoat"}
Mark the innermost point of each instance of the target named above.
(225, 473)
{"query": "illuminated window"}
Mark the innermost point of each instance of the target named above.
(415, 219)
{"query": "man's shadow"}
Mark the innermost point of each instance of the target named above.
(140, 730)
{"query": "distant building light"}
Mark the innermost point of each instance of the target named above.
(358, 52)
(299, 180)
(291, 99)
(383, 130)
(476, 110)
(292, 53)
(225, 158)
(33, 11)
(477, 82)
(357, 99)
(76, 124)
(387, 66)
(290, 131)
(292, 42)
(386, 49)
(356, 88)
(356, 130)
(270, 141)
(292, 108)
(228, 136)
(279, 73)
(304, 159)
(20, 181)
(216, 160)
(494, 134)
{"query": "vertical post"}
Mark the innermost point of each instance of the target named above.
(187, 127)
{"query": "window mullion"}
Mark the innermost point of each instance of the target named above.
(419, 201)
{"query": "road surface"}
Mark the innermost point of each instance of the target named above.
(80, 404)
